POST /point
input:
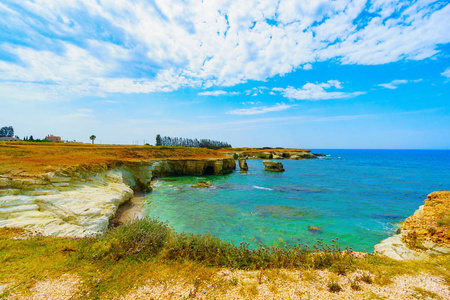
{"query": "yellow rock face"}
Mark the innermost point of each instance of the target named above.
(424, 234)
(430, 227)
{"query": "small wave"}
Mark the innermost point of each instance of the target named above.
(262, 188)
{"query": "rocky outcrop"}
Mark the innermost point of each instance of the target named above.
(274, 154)
(81, 200)
(243, 164)
(65, 204)
(424, 234)
(315, 229)
(274, 166)
(202, 184)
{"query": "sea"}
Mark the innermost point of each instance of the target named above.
(357, 196)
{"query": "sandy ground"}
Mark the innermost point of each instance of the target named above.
(130, 210)
(275, 284)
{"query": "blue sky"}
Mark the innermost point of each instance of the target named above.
(311, 74)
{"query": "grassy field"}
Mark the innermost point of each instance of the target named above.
(148, 251)
(26, 158)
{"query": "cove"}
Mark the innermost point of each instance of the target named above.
(359, 196)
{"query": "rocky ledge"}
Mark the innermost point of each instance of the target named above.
(274, 166)
(274, 154)
(81, 200)
(424, 234)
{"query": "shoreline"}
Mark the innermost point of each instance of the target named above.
(129, 210)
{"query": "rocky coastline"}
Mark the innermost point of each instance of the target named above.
(81, 200)
(296, 154)
(424, 234)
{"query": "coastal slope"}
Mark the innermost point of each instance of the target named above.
(426, 233)
(85, 185)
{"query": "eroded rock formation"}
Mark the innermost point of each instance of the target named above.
(243, 164)
(274, 166)
(424, 234)
(80, 201)
(202, 185)
(274, 154)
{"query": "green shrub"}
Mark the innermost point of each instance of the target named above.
(354, 285)
(366, 278)
(146, 238)
(334, 287)
(141, 236)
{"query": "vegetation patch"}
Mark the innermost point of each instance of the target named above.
(334, 287)
(444, 219)
(148, 251)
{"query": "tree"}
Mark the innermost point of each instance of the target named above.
(31, 138)
(7, 131)
(158, 140)
(93, 137)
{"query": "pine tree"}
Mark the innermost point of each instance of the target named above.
(158, 140)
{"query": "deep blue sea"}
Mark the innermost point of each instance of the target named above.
(359, 196)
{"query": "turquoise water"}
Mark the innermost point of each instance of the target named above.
(356, 195)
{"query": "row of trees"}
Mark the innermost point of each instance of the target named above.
(30, 138)
(185, 142)
(7, 131)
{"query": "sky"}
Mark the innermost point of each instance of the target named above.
(302, 74)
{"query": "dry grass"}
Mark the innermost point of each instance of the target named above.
(26, 158)
(31, 267)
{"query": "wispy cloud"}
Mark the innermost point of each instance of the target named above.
(446, 73)
(259, 110)
(218, 93)
(395, 83)
(80, 113)
(316, 91)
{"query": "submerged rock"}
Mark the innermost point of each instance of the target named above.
(202, 184)
(315, 229)
(274, 166)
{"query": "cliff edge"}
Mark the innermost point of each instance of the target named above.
(426, 233)
(81, 200)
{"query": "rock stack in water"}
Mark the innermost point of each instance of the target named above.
(202, 184)
(274, 166)
(243, 164)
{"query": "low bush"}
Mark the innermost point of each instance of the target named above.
(334, 287)
(146, 238)
(139, 237)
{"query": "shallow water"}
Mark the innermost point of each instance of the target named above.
(356, 195)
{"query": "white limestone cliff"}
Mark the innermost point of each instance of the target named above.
(81, 200)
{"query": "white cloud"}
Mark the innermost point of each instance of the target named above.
(85, 110)
(446, 73)
(316, 91)
(395, 83)
(259, 110)
(148, 46)
(218, 93)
